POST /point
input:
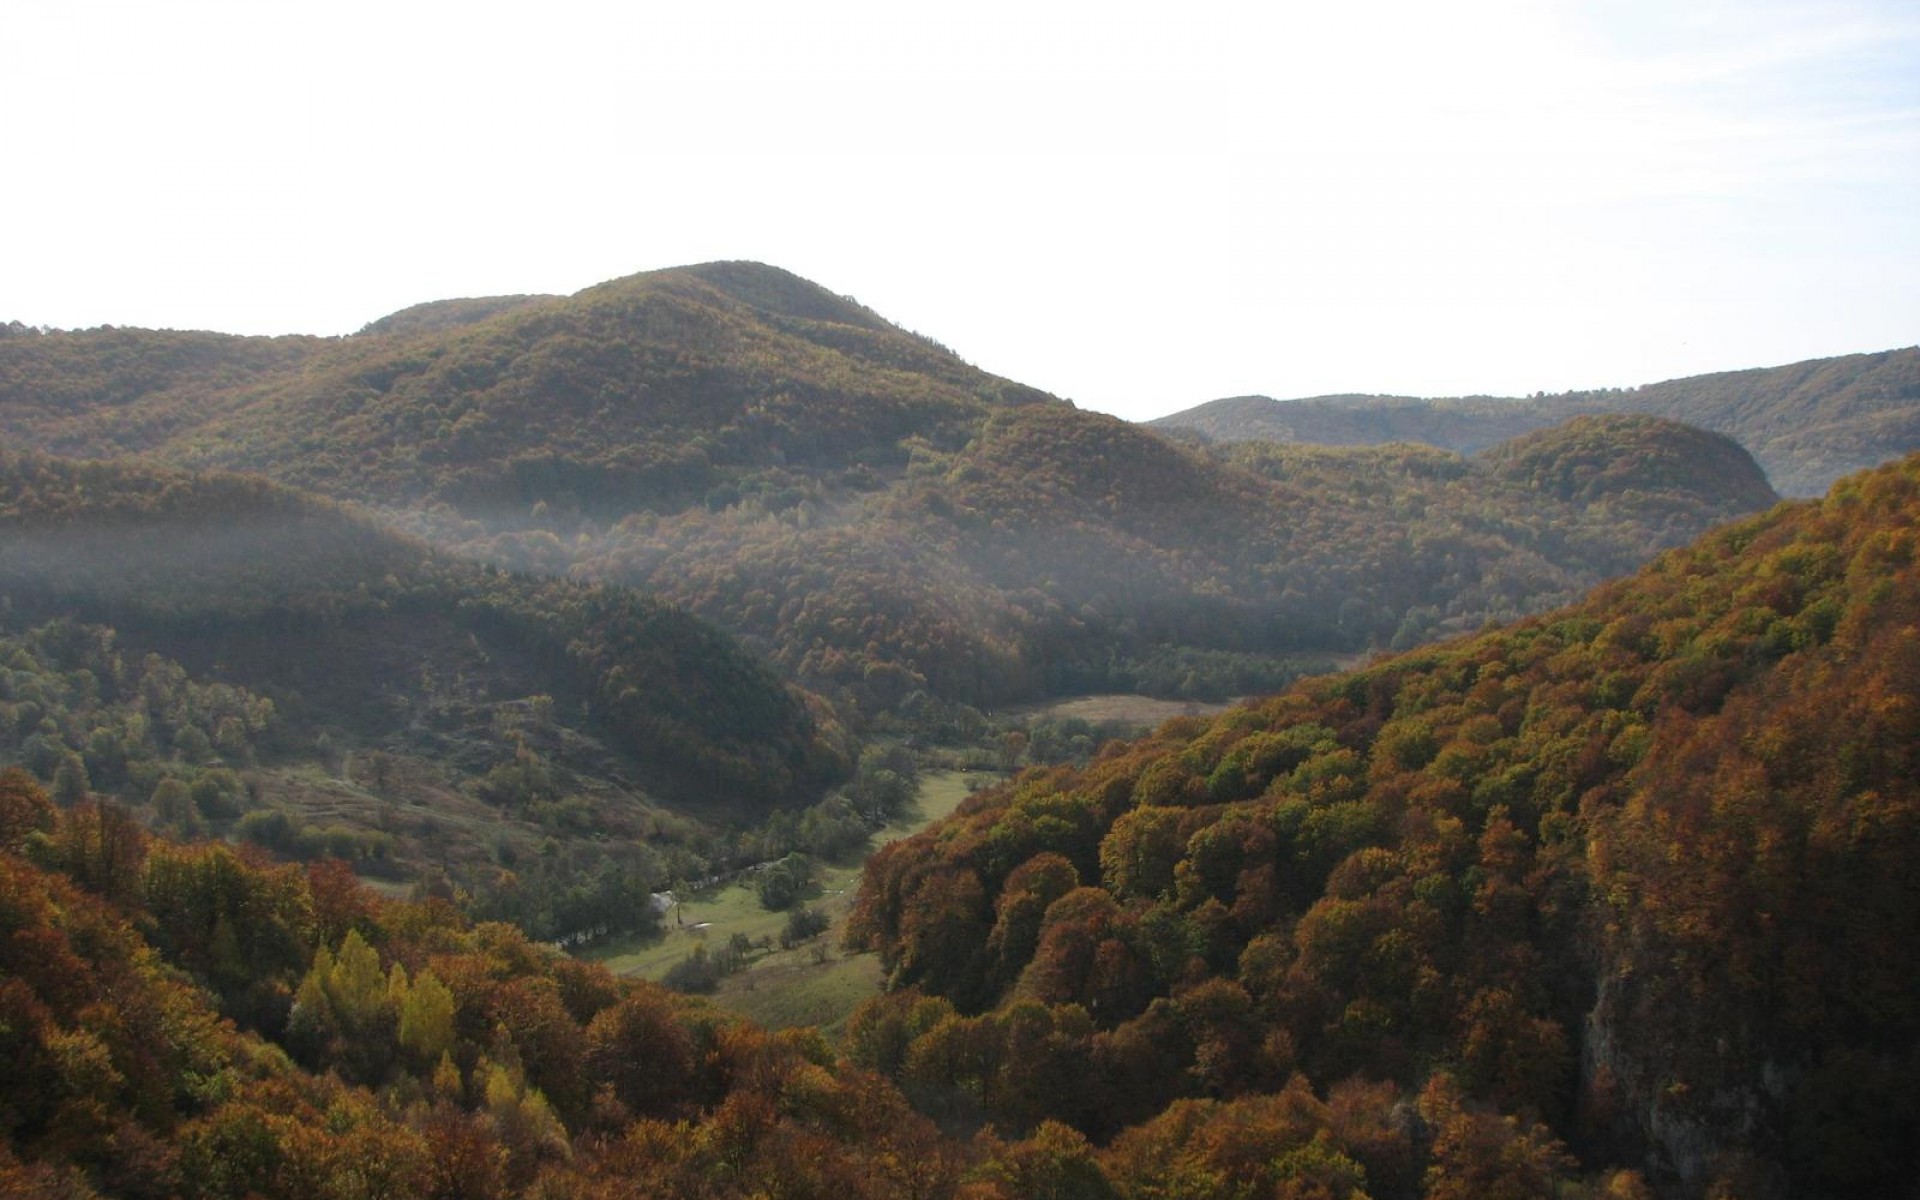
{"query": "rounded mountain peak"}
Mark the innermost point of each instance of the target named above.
(1622, 457)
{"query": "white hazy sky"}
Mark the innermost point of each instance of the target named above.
(1139, 207)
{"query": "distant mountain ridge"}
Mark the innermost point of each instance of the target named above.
(881, 518)
(447, 314)
(1807, 423)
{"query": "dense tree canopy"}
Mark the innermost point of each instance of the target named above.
(1635, 874)
(878, 516)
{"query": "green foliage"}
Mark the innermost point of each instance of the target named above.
(780, 885)
(93, 717)
(702, 970)
(803, 924)
(426, 1029)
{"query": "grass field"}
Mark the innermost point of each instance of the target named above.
(1145, 712)
(813, 983)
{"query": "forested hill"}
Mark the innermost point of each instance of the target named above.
(1625, 886)
(883, 520)
(643, 392)
(1807, 423)
(1649, 466)
(349, 628)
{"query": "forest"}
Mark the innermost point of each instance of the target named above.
(1634, 876)
(875, 515)
(1539, 824)
(229, 657)
(1607, 901)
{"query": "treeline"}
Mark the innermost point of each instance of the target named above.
(1632, 875)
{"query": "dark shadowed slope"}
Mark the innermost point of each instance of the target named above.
(359, 629)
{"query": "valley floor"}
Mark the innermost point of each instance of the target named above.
(815, 982)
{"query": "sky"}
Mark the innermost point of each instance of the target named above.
(1136, 207)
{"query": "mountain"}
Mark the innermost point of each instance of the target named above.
(166, 625)
(1630, 880)
(448, 314)
(880, 518)
(642, 392)
(1807, 423)
(1614, 896)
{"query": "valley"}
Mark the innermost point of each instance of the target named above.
(814, 982)
(1262, 802)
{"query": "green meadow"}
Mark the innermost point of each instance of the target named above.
(814, 983)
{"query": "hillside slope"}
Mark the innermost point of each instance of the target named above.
(880, 518)
(1807, 423)
(188, 1021)
(1636, 873)
(311, 636)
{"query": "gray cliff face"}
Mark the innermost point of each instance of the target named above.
(1685, 1134)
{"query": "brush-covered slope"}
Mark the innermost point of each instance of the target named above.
(879, 517)
(1637, 874)
(107, 392)
(1058, 552)
(357, 634)
(646, 391)
(1807, 423)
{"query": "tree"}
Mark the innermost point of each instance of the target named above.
(426, 1018)
(1479, 1155)
(101, 846)
(781, 884)
(24, 809)
(640, 1053)
(70, 782)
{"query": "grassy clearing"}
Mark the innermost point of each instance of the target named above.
(940, 793)
(1144, 712)
(790, 988)
(811, 984)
